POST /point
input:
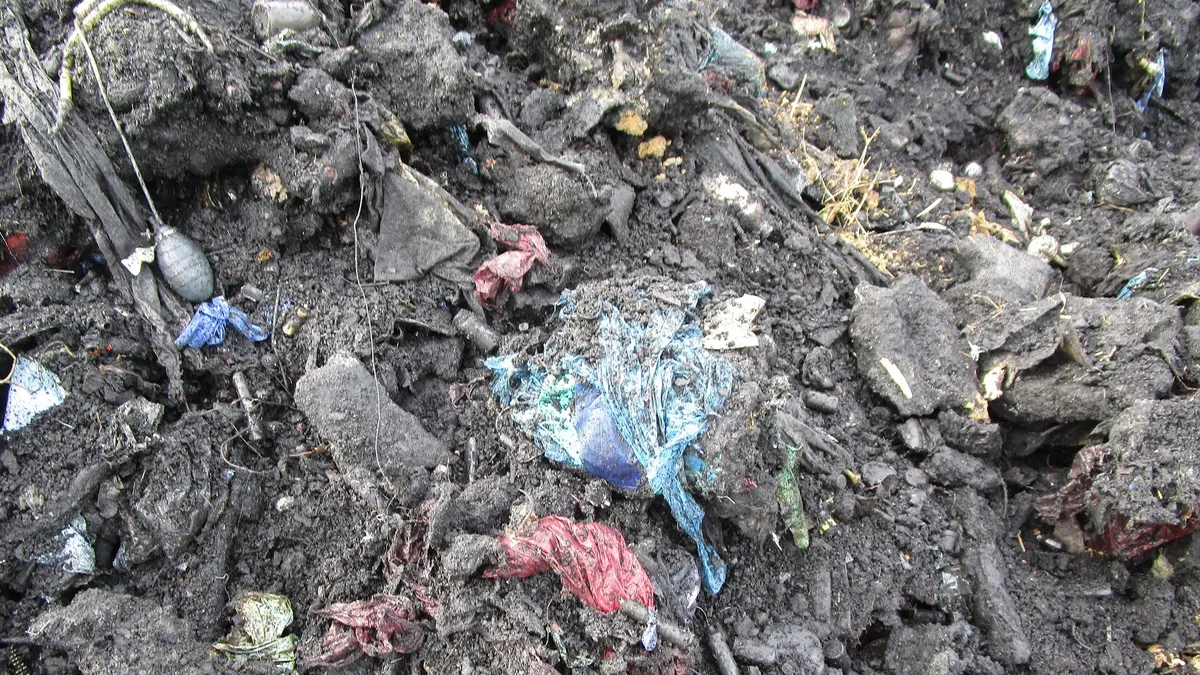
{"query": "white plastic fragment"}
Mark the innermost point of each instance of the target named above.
(941, 179)
(1021, 212)
(1043, 42)
(728, 326)
(893, 371)
(140, 256)
(32, 391)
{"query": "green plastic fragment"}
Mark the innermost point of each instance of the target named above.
(258, 631)
(791, 504)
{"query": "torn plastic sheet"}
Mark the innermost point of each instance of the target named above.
(380, 626)
(508, 269)
(261, 619)
(730, 56)
(1158, 71)
(1043, 42)
(207, 327)
(791, 502)
(592, 559)
(32, 391)
(76, 555)
(727, 325)
(630, 417)
(459, 133)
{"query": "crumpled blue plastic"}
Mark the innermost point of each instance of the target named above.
(629, 418)
(1043, 42)
(1134, 284)
(1156, 88)
(207, 326)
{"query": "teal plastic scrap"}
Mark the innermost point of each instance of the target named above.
(1043, 42)
(730, 56)
(1158, 79)
(630, 417)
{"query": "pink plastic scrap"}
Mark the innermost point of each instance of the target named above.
(592, 559)
(508, 269)
(380, 626)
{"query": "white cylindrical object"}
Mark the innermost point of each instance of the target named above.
(272, 17)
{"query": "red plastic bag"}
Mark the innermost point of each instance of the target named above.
(377, 627)
(508, 269)
(593, 560)
(1119, 535)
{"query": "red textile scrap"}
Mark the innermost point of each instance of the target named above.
(508, 269)
(805, 5)
(15, 251)
(1121, 537)
(377, 627)
(593, 560)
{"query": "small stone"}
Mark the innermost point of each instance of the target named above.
(875, 473)
(941, 179)
(784, 76)
(916, 478)
(753, 651)
(973, 170)
(821, 402)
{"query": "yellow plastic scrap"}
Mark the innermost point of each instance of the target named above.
(655, 147)
(258, 630)
(631, 123)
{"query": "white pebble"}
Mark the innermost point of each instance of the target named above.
(973, 170)
(992, 38)
(285, 503)
(941, 179)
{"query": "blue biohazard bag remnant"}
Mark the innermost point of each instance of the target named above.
(630, 416)
(207, 326)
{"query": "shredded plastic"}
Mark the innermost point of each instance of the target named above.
(261, 619)
(380, 626)
(1043, 42)
(508, 269)
(1134, 284)
(1159, 80)
(207, 327)
(32, 391)
(592, 559)
(629, 418)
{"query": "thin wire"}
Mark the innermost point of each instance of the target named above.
(116, 123)
(362, 189)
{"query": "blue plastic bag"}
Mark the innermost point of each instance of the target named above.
(207, 326)
(630, 417)
(1043, 42)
